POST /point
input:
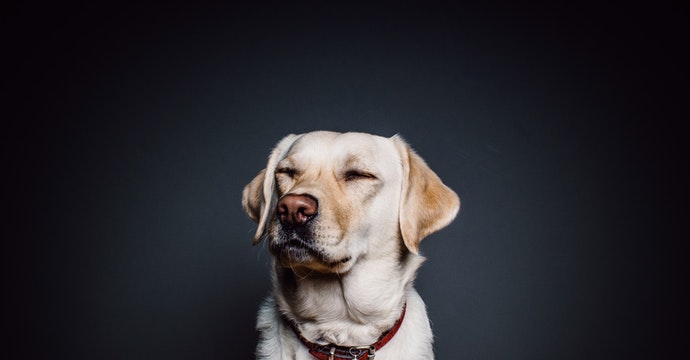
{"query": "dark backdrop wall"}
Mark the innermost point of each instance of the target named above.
(136, 128)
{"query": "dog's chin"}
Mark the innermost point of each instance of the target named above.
(297, 254)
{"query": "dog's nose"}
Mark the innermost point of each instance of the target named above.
(296, 209)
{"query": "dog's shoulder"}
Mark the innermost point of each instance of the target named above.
(277, 341)
(268, 318)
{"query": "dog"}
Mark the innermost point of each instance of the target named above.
(344, 214)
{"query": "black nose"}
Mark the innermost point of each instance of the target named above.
(296, 209)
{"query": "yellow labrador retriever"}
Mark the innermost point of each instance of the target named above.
(344, 214)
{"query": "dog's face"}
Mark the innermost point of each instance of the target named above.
(327, 199)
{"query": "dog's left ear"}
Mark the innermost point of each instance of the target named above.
(260, 196)
(426, 205)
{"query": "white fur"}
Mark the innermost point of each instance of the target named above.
(350, 303)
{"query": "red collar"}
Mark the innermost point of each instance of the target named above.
(333, 352)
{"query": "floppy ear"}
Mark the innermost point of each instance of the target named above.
(426, 204)
(260, 196)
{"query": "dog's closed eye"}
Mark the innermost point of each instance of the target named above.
(290, 172)
(352, 175)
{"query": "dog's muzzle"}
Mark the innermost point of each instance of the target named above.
(295, 242)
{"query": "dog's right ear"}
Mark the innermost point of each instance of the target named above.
(260, 196)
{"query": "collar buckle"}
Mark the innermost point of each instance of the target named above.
(357, 351)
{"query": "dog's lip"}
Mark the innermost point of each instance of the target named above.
(298, 244)
(288, 247)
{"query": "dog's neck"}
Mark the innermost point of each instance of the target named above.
(352, 308)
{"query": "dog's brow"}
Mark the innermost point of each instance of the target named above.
(359, 162)
(287, 162)
(353, 160)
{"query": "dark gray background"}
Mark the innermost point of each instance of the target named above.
(136, 128)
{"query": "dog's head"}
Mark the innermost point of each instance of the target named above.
(327, 199)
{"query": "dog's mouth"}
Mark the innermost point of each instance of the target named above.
(294, 249)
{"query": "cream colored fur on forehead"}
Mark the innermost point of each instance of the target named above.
(328, 146)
